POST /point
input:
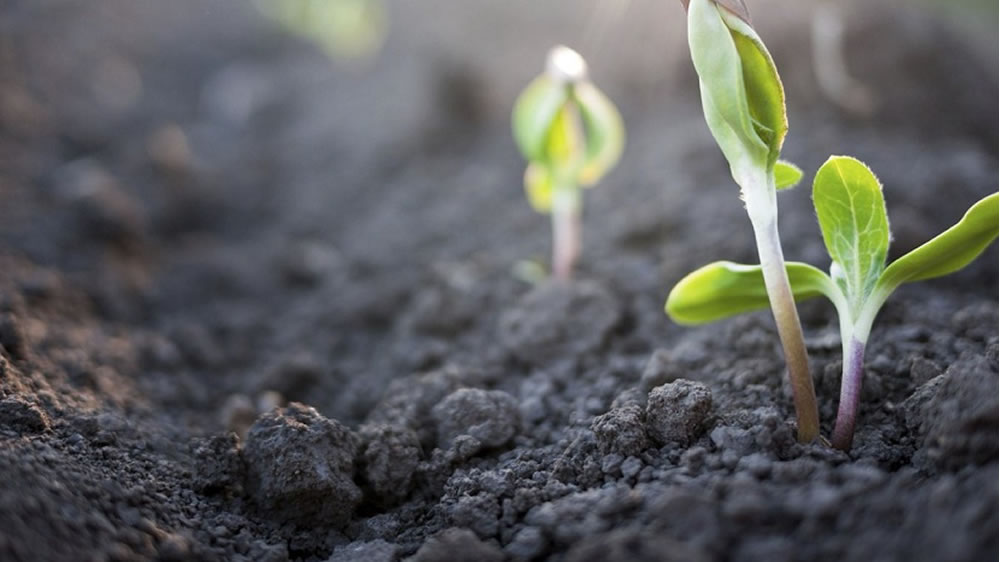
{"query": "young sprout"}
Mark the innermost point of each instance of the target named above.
(829, 63)
(744, 105)
(571, 135)
(852, 217)
(348, 29)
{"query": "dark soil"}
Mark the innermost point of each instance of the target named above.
(203, 220)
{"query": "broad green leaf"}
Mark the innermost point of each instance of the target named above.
(538, 187)
(949, 251)
(765, 94)
(786, 175)
(605, 133)
(723, 289)
(723, 91)
(533, 114)
(851, 212)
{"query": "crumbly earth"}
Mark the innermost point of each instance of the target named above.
(255, 305)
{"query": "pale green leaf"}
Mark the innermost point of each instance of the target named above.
(851, 212)
(723, 289)
(949, 251)
(605, 133)
(723, 91)
(786, 175)
(534, 111)
(565, 146)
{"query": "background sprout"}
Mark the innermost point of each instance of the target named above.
(829, 64)
(347, 29)
(851, 211)
(571, 135)
(744, 106)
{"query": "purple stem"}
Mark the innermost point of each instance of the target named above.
(565, 235)
(850, 394)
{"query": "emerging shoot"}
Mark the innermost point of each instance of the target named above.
(571, 135)
(344, 29)
(851, 211)
(830, 66)
(744, 105)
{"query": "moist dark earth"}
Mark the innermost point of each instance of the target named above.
(256, 304)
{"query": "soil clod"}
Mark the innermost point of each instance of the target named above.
(677, 412)
(300, 467)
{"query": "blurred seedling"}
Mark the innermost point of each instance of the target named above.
(851, 212)
(571, 134)
(744, 105)
(830, 64)
(344, 29)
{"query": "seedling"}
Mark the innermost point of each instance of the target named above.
(851, 211)
(830, 64)
(345, 29)
(744, 105)
(571, 135)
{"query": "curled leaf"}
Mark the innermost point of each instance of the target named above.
(534, 111)
(605, 133)
(765, 93)
(741, 93)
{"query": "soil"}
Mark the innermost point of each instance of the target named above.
(258, 305)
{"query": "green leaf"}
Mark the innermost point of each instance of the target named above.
(605, 132)
(786, 175)
(765, 94)
(723, 289)
(534, 111)
(851, 212)
(723, 91)
(949, 251)
(564, 151)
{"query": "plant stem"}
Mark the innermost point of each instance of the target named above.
(565, 231)
(763, 216)
(850, 394)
